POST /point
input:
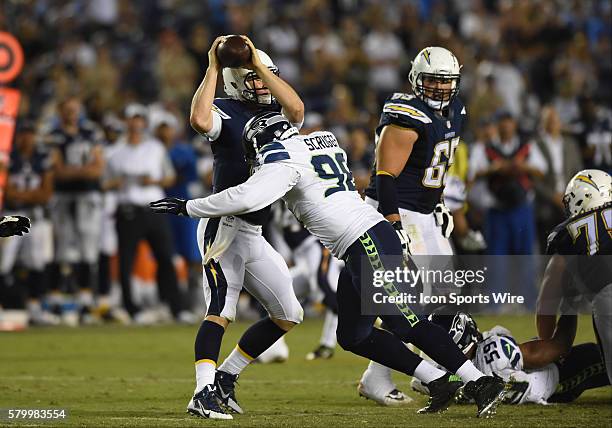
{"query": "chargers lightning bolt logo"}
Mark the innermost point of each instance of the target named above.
(426, 56)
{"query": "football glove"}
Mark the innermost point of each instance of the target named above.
(11, 225)
(444, 219)
(404, 239)
(174, 206)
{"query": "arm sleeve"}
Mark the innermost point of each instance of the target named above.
(267, 185)
(215, 131)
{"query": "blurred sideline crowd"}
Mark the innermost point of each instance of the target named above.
(110, 73)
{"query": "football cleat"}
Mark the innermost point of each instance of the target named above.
(225, 385)
(204, 404)
(321, 353)
(277, 353)
(441, 393)
(395, 397)
(488, 392)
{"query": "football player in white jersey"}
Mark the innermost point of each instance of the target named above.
(309, 172)
(496, 352)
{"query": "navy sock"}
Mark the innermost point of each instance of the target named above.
(208, 341)
(259, 337)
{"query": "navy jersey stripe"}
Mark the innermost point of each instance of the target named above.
(271, 146)
(275, 157)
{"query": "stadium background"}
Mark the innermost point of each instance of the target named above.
(519, 58)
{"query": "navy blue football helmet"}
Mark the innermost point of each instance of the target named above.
(461, 327)
(263, 128)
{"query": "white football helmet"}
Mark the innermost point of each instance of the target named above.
(439, 63)
(587, 190)
(238, 83)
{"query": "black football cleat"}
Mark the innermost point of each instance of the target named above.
(205, 404)
(441, 393)
(488, 392)
(225, 385)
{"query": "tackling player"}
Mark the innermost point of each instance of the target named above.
(234, 252)
(309, 172)
(415, 145)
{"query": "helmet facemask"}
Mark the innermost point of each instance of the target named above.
(250, 91)
(437, 98)
(435, 64)
(241, 83)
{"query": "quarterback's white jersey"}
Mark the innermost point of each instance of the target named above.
(310, 173)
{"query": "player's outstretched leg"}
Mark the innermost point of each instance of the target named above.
(259, 337)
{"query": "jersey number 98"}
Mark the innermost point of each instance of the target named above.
(330, 169)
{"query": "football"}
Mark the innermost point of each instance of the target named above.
(233, 52)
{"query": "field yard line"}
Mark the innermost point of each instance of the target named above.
(167, 380)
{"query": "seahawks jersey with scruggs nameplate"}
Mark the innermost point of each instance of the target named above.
(229, 165)
(586, 242)
(499, 354)
(421, 182)
(324, 199)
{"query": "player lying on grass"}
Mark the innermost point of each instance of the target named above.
(309, 172)
(496, 352)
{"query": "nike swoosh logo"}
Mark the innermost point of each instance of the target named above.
(223, 394)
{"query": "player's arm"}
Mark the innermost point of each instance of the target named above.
(95, 168)
(40, 195)
(551, 294)
(168, 177)
(201, 115)
(267, 185)
(541, 352)
(392, 152)
(293, 107)
(61, 170)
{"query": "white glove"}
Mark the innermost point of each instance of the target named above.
(404, 239)
(444, 219)
(473, 241)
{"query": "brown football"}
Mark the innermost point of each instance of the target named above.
(233, 52)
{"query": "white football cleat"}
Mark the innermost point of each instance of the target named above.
(381, 390)
(277, 353)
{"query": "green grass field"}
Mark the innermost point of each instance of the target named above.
(143, 377)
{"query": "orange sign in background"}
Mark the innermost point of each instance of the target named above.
(11, 63)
